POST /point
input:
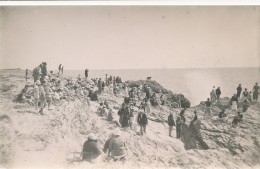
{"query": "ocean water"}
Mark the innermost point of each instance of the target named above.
(195, 84)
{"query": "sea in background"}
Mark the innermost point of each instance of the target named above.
(194, 83)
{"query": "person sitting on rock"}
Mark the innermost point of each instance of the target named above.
(194, 118)
(117, 147)
(90, 150)
(170, 123)
(237, 119)
(222, 113)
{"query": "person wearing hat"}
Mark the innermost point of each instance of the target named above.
(90, 150)
(117, 146)
(36, 93)
(237, 119)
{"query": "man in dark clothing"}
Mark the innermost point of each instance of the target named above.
(142, 121)
(86, 73)
(170, 123)
(222, 113)
(94, 96)
(126, 117)
(90, 150)
(218, 93)
(208, 106)
(255, 92)
(237, 119)
(44, 69)
(239, 90)
(26, 74)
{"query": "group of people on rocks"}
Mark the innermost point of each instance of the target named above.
(49, 88)
(239, 98)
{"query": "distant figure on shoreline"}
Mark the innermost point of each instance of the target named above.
(170, 123)
(86, 73)
(234, 102)
(149, 78)
(213, 95)
(208, 105)
(59, 68)
(239, 90)
(26, 74)
(255, 92)
(218, 93)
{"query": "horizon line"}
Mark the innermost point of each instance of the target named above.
(145, 68)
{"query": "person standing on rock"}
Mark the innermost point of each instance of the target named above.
(142, 121)
(36, 93)
(170, 123)
(213, 95)
(178, 127)
(26, 74)
(208, 106)
(239, 90)
(86, 73)
(234, 102)
(59, 68)
(48, 93)
(245, 94)
(42, 97)
(255, 92)
(218, 93)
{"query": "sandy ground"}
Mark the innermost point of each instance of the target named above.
(31, 140)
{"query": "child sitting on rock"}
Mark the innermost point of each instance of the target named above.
(237, 119)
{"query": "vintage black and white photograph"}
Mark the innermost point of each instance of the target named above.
(129, 86)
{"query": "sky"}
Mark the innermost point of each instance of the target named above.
(130, 37)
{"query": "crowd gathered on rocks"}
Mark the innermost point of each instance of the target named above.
(50, 90)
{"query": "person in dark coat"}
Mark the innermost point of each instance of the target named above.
(170, 123)
(239, 90)
(126, 117)
(142, 121)
(86, 73)
(222, 113)
(255, 92)
(26, 74)
(237, 119)
(90, 150)
(218, 93)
